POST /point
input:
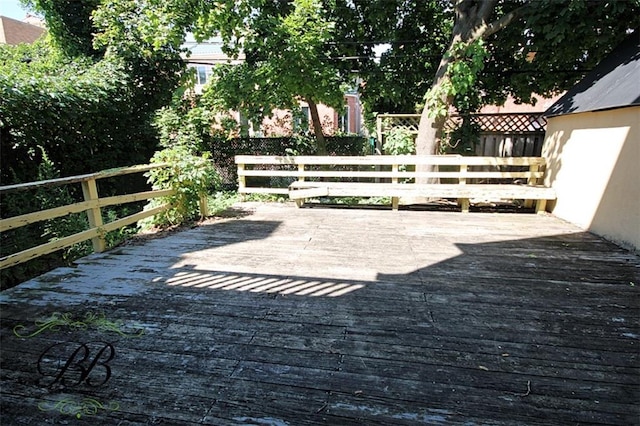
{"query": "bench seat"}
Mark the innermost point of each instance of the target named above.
(462, 192)
(463, 178)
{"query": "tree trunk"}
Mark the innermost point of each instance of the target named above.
(471, 23)
(430, 130)
(428, 141)
(321, 142)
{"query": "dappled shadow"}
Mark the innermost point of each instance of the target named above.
(480, 319)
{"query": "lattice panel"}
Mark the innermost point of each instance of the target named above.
(510, 123)
(495, 123)
(408, 122)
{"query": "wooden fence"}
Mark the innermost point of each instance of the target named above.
(500, 135)
(92, 205)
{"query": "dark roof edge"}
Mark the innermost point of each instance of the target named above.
(610, 85)
(550, 115)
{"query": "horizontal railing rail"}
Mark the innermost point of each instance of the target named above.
(454, 176)
(92, 205)
(384, 167)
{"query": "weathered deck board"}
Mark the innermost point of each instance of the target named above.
(338, 316)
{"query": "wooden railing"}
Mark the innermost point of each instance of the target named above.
(92, 205)
(395, 176)
(393, 167)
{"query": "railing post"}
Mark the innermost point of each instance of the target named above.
(242, 181)
(395, 201)
(532, 181)
(204, 206)
(90, 192)
(395, 168)
(379, 132)
(533, 168)
(462, 180)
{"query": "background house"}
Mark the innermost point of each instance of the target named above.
(14, 32)
(592, 146)
(206, 54)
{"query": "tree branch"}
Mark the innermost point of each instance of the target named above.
(486, 8)
(486, 30)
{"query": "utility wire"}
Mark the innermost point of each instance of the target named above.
(348, 58)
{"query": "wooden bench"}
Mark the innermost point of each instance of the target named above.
(450, 176)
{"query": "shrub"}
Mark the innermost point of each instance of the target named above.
(399, 141)
(189, 175)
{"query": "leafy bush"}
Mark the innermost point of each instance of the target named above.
(189, 175)
(399, 141)
(463, 139)
(85, 114)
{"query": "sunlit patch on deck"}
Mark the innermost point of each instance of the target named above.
(262, 283)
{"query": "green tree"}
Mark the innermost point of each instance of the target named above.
(285, 46)
(69, 23)
(89, 103)
(414, 31)
(531, 46)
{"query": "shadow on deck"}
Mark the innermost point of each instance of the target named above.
(326, 316)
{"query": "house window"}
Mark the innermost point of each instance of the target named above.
(203, 73)
(343, 120)
(301, 120)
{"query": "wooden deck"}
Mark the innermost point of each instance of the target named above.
(284, 316)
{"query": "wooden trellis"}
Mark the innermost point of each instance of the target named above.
(509, 134)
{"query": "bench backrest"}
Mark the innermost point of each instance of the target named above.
(281, 170)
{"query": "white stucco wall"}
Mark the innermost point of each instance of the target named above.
(594, 165)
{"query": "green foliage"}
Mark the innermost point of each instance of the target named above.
(188, 127)
(86, 114)
(461, 140)
(189, 175)
(70, 24)
(302, 145)
(114, 238)
(399, 141)
(436, 99)
(466, 62)
(416, 33)
(146, 30)
(567, 38)
(553, 46)
(286, 57)
(220, 201)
